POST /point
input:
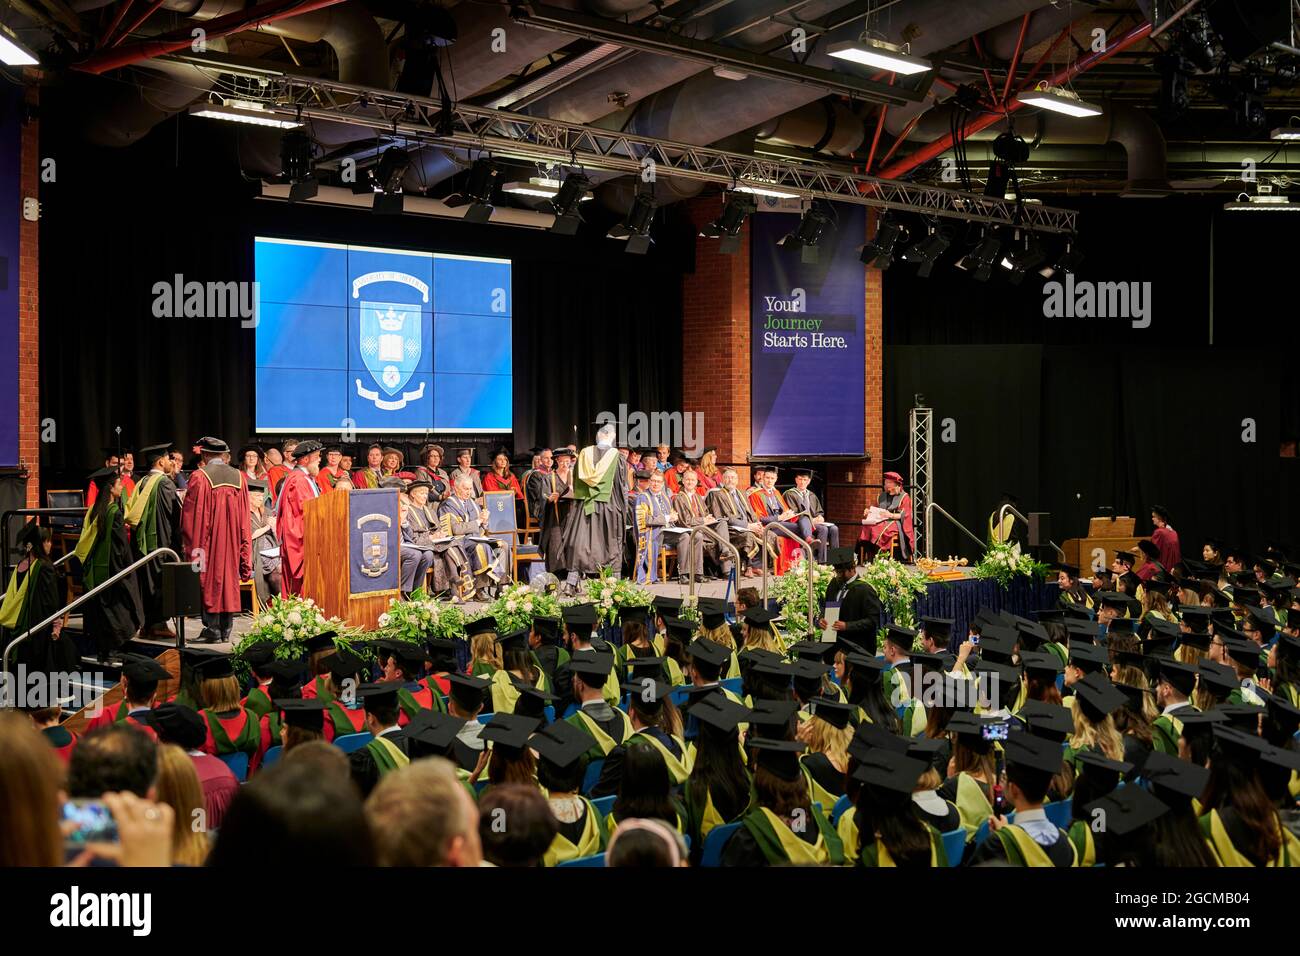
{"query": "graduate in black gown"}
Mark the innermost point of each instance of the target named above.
(33, 593)
(114, 616)
(154, 515)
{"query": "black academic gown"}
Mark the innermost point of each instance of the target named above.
(742, 849)
(41, 653)
(365, 772)
(115, 616)
(823, 771)
(1061, 853)
(611, 775)
(860, 610)
(167, 528)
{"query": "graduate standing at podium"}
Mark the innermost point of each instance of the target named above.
(299, 488)
(215, 532)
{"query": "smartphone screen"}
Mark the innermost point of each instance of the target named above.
(87, 821)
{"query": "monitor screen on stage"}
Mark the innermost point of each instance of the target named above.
(381, 340)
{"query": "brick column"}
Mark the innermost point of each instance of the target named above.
(29, 447)
(715, 340)
(715, 365)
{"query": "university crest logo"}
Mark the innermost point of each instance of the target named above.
(390, 341)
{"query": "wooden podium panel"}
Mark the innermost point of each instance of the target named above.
(1079, 551)
(327, 578)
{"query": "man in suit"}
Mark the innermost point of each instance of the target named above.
(813, 526)
(860, 606)
(692, 512)
(730, 505)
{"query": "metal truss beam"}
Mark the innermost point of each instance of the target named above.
(921, 422)
(554, 143)
(680, 47)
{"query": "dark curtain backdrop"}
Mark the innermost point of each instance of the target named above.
(1073, 415)
(593, 326)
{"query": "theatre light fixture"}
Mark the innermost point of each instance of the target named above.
(727, 226)
(1068, 261)
(635, 227)
(979, 261)
(1264, 200)
(1021, 258)
(243, 111)
(925, 252)
(879, 252)
(387, 177)
(13, 52)
(477, 194)
(1058, 100)
(879, 55)
(575, 189)
(812, 226)
(297, 165)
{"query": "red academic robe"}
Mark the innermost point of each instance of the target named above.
(366, 478)
(1166, 539)
(220, 786)
(298, 490)
(273, 476)
(325, 479)
(357, 717)
(883, 534)
(216, 530)
(493, 482)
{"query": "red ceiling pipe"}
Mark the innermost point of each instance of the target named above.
(237, 22)
(1015, 57)
(985, 120)
(137, 23)
(988, 77)
(902, 138)
(880, 124)
(1046, 56)
(117, 18)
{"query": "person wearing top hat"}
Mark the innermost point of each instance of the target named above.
(103, 550)
(890, 519)
(33, 593)
(299, 487)
(500, 477)
(810, 514)
(215, 533)
(153, 517)
(592, 537)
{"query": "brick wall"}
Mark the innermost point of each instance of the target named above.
(29, 313)
(715, 365)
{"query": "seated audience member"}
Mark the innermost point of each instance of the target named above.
(644, 843)
(890, 833)
(48, 720)
(532, 826)
(561, 765)
(464, 469)
(292, 817)
(139, 683)
(482, 564)
(1032, 840)
(422, 815)
(178, 787)
(184, 727)
(113, 760)
(231, 728)
(30, 781)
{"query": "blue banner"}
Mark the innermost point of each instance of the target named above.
(807, 347)
(374, 540)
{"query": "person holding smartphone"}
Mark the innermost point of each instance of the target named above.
(1032, 840)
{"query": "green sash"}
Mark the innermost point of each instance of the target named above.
(591, 842)
(877, 854)
(95, 563)
(1216, 835)
(258, 702)
(342, 725)
(816, 792)
(505, 696)
(1165, 731)
(847, 828)
(973, 807)
(15, 597)
(248, 741)
(679, 768)
(603, 740)
(140, 514)
(779, 844)
(388, 756)
(1023, 850)
(603, 471)
(1085, 847)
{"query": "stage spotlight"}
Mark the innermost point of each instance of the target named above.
(879, 252)
(727, 227)
(927, 250)
(573, 191)
(1068, 261)
(806, 235)
(477, 195)
(387, 179)
(13, 52)
(635, 227)
(979, 261)
(297, 166)
(1020, 260)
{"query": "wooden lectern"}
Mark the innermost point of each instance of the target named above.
(353, 544)
(1105, 537)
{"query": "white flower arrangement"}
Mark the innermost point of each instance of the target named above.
(517, 605)
(1003, 564)
(898, 586)
(791, 593)
(289, 622)
(422, 617)
(609, 593)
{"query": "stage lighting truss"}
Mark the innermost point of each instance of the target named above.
(513, 136)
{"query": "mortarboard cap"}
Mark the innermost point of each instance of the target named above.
(888, 770)
(561, 744)
(1126, 810)
(1049, 721)
(138, 667)
(516, 640)
(592, 666)
(509, 730)
(1098, 696)
(380, 694)
(1033, 753)
(434, 729)
(307, 713)
(709, 651)
(468, 692)
(319, 642)
(180, 725)
(481, 625)
(1171, 777)
(832, 711)
(781, 757)
(1182, 677)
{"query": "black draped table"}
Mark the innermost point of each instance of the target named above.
(961, 599)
